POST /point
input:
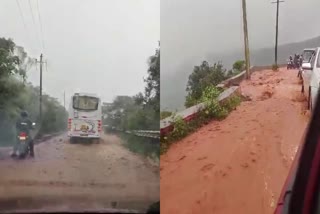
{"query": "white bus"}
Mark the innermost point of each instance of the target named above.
(85, 117)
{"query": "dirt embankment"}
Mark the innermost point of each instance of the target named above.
(91, 176)
(240, 164)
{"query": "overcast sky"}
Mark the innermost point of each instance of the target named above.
(96, 46)
(191, 29)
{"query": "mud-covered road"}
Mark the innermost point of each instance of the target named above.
(75, 176)
(240, 164)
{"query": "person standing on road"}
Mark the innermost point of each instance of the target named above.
(24, 124)
(296, 60)
(301, 60)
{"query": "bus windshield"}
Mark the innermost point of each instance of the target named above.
(85, 103)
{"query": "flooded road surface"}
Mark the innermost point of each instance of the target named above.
(240, 164)
(75, 176)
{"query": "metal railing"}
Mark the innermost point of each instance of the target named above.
(140, 133)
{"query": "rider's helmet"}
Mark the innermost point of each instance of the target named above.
(24, 114)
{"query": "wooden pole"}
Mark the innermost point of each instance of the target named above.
(246, 38)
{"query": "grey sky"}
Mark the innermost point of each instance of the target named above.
(192, 29)
(97, 46)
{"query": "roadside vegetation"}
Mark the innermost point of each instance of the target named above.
(139, 112)
(17, 94)
(201, 88)
(206, 75)
(142, 111)
(147, 147)
(213, 110)
(275, 67)
(165, 114)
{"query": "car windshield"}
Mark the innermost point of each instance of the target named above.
(318, 61)
(307, 55)
(85, 103)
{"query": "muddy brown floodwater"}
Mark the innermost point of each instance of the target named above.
(74, 176)
(240, 164)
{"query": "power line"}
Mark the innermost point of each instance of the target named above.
(41, 31)
(30, 7)
(22, 18)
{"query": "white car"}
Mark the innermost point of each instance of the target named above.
(307, 54)
(306, 57)
(311, 78)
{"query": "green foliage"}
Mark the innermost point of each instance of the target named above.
(232, 103)
(146, 147)
(212, 107)
(180, 130)
(210, 93)
(239, 65)
(191, 101)
(165, 114)
(54, 116)
(151, 95)
(213, 110)
(125, 114)
(16, 95)
(203, 76)
(141, 111)
(237, 68)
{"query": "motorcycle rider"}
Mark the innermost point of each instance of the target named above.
(290, 63)
(301, 60)
(24, 124)
(295, 61)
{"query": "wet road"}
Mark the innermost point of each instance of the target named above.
(91, 176)
(240, 164)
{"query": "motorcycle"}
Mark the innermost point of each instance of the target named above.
(290, 65)
(22, 147)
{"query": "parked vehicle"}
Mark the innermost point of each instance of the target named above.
(311, 78)
(307, 54)
(300, 194)
(85, 117)
(306, 57)
(22, 148)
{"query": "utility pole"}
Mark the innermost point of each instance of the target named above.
(64, 99)
(276, 45)
(40, 96)
(246, 38)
